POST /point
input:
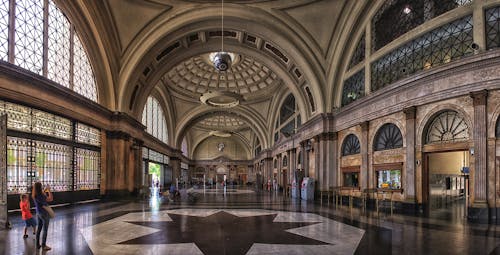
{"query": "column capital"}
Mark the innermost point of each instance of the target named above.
(479, 97)
(410, 112)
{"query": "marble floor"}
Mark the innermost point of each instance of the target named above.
(241, 221)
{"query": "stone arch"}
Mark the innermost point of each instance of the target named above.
(395, 133)
(192, 117)
(350, 140)
(374, 130)
(204, 18)
(426, 120)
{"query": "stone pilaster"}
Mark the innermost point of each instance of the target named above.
(480, 146)
(409, 186)
(364, 175)
(292, 164)
(123, 164)
(327, 160)
(175, 163)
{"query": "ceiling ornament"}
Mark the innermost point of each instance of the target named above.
(222, 62)
(220, 133)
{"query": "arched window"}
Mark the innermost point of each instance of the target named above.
(351, 145)
(44, 42)
(497, 129)
(154, 119)
(388, 137)
(285, 161)
(184, 147)
(289, 118)
(448, 126)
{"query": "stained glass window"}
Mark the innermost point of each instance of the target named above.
(87, 169)
(448, 126)
(351, 145)
(388, 137)
(87, 134)
(409, 14)
(359, 53)
(4, 29)
(354, 88)
(492, 17)
(29, 35)
(59, 31)
(441, 45)
(154, 119)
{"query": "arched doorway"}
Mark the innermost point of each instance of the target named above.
(445, 164)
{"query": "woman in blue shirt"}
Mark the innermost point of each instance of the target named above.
(42, 215)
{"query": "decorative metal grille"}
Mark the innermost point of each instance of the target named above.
(492, 21)
(29, 35)
(154, 119)
(51, 125)
(442, 45)
(354, 88)
(4, 30)
(359, 53)
(388, 137)
(409, 14)
(53, 165)
(285, 161)
(18, 117)
(289, 118)
(87, 134)
(448, 126)
(155, 156)
(88, 165)
(83, 81)
(59, 41)
(19, 172)
(351, 145)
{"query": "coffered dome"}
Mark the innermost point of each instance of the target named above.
(222, 122)
(246, 76)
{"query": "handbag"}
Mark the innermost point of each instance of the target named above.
(50, 211)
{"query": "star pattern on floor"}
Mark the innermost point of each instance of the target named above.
(222, 232)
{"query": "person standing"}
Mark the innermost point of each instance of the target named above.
(24, 204)
(42, 215)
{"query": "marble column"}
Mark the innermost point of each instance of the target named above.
(292, 164)
(364, 175)
(409, 187)
(175, 163)
(316, 152)
(327, 160)
(123, 163)
(480, 147)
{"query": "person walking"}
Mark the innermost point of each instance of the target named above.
(43, 218)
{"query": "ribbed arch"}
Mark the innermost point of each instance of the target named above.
(44, 42)
(154, 119)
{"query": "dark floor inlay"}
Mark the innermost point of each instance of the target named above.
(222, 232)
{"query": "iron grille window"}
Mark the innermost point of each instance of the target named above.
(492, 17)
(38, 28)
(397, 17)
(51, 160)
(289, 118)
(359, 53)
(87, 169)
(4, 30)
(87, 134)
(154, 119)
(354, 88)
(388, 137)
(351, 145)
(441, 45)
(448, 126)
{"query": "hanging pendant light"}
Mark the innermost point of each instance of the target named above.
(222, 60)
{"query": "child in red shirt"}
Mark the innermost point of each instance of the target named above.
(24, 204)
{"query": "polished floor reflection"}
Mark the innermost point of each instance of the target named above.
(247, 222)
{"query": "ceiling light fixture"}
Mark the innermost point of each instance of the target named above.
(222, 60)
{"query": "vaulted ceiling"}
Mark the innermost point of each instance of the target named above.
(163, 47)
